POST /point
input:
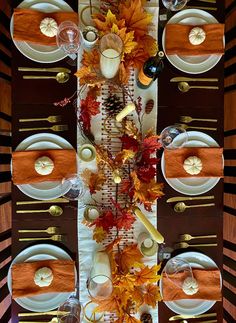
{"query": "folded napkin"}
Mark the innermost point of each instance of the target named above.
(27, 22)
(177, 41)
(23, 284)
(23, 171)
(212, 163)
(208, 283)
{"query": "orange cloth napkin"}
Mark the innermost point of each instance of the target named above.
(23, 171)
(208, 284)
(23, 284)
(177, 41)
(212, 162)
(27, 22)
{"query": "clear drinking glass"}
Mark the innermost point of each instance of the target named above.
(68, 38)
(173, 137)
(75, 188)
(175, 266)
(174, 5)
(111, 48)
(69, 311)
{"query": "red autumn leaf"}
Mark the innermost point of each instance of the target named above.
(125, 221)
(88, 107)
(129, 143)
(151, 144)
(106, 221)
(146, 173)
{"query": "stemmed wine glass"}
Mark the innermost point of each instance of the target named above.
(174, 5)
(173, 137)
(68, 38)
(69, 311)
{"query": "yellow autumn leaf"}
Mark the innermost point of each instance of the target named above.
(104, 23)
(147, 275)
(125, 282)
(99, 234)
(151, 295)
(127, 37)
(91, 59)
(122, 156)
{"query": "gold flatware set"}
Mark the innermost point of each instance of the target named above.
(184, 317)
(183, 83)
(183, 244)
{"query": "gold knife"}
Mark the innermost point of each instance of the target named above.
(186, 198)
(58, 200)
(191, 79)
(179, 317)
(199, 7)
(44, 69)
(42, 313)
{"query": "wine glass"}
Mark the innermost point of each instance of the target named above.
(173, 137)
(177, 270)
(74, 187)
(174, 5)
(68, 38)
(69, 311)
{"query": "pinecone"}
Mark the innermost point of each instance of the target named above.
(146, 318)
(113, 104)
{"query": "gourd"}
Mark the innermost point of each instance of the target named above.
(197, 36)
(43, 277)
(48, 27)
(190, 286)
(193, 165)
(44, 165)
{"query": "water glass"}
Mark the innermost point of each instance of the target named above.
(174, 5)
(69, 311)
(75, 188)
(111, 48)
(176, 266)
(68, 37)
(173, 137)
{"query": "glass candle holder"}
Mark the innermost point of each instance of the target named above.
(174, 5)
(69, 311)
(173, 137)
(111, 48)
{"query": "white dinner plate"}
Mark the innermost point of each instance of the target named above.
(192, 306)
(193, 185)
(43, 302)
(35, 52)
(44, 190)
(192, 64)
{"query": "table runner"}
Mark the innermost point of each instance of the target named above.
(86, 245)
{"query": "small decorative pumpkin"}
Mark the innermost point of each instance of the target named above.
(193, 165)
(197, 36)
(48, 27)
(43, 277)
(44, 165)
(190, 286)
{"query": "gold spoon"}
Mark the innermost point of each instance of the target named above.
(54, 210)
(61, 77)
(49, 230)
(185, 87)
(181, 206)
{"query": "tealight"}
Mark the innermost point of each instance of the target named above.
(87, 152)
(91, 213)
(147, 245)
(90, 36)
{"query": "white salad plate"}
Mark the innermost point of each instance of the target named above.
(36, 52)
(192, 64)
(44, 302)
(44, 190)
(192, 306)
(191, 185)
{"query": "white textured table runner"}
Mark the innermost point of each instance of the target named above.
(86, 245)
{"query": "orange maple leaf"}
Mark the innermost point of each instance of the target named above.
(99, 234)
(104, 23)
(136, 18)
(86, 75)
(111, 304)
(151, 295)
(137, 296)
(149, 44)
(131, 319)
(128, 257)
(127, 37)
(91, 59)
(147, 275)
(94, 180)
(125, 282)
(110, 246)
(122, 156)
(124, 73)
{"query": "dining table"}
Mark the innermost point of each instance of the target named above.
(36, 98)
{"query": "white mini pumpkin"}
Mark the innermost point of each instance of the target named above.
(190, 286)
(43, 277)
(48, 27)
(197, 36)
(193, 165)
(44, 165)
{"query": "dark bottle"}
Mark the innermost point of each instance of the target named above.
(150, 71)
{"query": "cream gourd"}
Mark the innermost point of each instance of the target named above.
(43, 277)
(197, 36)
(44, 165)
(48, 27)
(190, 286)
(193, 165)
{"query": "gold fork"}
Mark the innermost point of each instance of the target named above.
(51, 119)
(55, 237)
(49, 230)
(183, 245)
(60, 127)
(188, 119)
(188, 237)
(184, 126)
(208, 1)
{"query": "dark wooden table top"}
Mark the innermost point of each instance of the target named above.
(35, 99)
